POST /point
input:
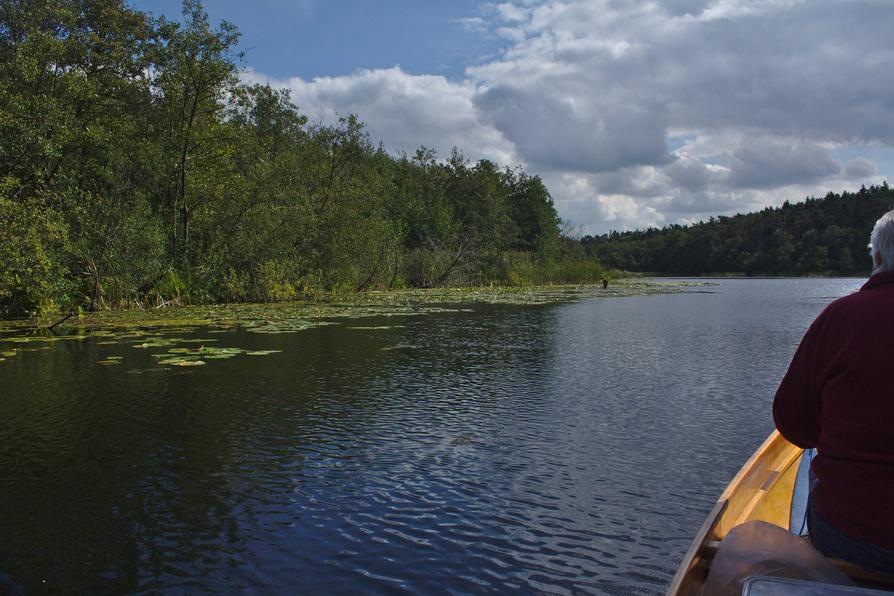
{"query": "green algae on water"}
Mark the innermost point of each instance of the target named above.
(165, 329)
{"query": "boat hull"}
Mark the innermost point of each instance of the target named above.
(762, 490)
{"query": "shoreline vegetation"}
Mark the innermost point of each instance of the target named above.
(820, 237)
(138, 169)
(285, 317)
(189, 336)
(741, 275)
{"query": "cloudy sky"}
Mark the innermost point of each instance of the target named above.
(634, 112)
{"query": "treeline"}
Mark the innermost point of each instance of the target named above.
(816, 237)
(137, 170)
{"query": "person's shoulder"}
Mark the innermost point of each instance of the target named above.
(862, 301)
(840, 307)
(844, 301)
(847, 301)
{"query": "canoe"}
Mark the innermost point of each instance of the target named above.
(762, 490)
(772, 487)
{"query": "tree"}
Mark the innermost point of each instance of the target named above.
(195, 70)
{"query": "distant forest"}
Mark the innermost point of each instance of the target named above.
(137, 169)
(816, 237)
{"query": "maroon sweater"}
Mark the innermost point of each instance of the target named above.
(838, 396)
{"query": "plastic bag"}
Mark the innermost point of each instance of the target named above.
(759, 548)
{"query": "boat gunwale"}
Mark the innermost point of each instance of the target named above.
(699, 544)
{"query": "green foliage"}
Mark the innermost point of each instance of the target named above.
(171, 288)
(136, 170)
(816, 237)
(526, 269)
(275, 282)
(32, 246)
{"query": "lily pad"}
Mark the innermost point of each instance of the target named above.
(188, 363)
(159, 343)
(163, 342)
(185, 356)
(144, 329)
(30, 339)
(9, 353)
(263, 352)
(205, 350)
(181, 362)
(401, 347)
(109, 362)
(285, 326)
(178, 361)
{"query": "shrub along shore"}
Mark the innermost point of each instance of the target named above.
(137, 170)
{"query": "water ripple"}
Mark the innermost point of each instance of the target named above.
(558, 449)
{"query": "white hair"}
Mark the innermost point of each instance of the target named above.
(881, 242)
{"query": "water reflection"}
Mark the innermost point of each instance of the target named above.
(557, 448)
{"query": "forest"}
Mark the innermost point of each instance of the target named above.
(820, 236)
(138, 170)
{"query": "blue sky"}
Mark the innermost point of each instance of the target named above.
(634, 113)
(311, 38)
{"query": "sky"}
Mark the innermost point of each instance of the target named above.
(635, 113)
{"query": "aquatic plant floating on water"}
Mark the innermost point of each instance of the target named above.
(401, 347)
(163, 342)
(285, 326)
(41, 338)
(181, 356)
(181, 362)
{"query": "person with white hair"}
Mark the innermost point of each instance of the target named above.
(881, 243)
(838, 397)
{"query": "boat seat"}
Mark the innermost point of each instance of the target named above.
(783, 586)
(864, 577)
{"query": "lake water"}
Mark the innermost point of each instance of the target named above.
(561, 448)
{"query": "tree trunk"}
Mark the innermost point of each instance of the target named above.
(443, 277)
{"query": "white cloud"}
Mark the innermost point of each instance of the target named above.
(473, 24)
(648, 112)
(513, 12)
(404, 111)
(516, 35)
(564, 132)
(732, 9)
(860, 168)
(771, 163)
